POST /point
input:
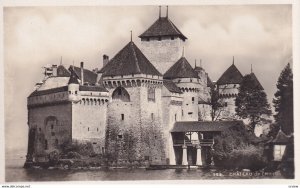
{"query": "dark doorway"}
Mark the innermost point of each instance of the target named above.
(191, 155)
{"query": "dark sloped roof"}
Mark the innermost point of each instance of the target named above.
(48, 91)
(186, 126)
(202, 101)
(231, 76)
(181, 69)
(209, 82)
(256, 83)
(88, 76)
(281, 138)
(62, 71)
(92, 88)
(130, 60)
(198, 69)
(171, 86)
(162, 27)
(73, 78)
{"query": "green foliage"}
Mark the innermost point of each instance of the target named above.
(233, 150)
(83, 149)
(283, 101)
(251, 101)
(216, 103)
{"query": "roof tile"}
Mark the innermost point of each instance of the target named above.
(162, 27)
(129, 60)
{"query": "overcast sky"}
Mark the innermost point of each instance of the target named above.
(260, 35)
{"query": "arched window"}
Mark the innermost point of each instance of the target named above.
(120, 93)
(50, 122)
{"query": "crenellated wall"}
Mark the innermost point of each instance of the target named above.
(134, 127)
(228, 94)
(89, 121)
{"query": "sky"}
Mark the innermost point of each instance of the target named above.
(260, 35)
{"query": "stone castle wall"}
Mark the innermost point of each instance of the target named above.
(228, 95)
(137, 136)
(89, 122)
(171, 112)
(162, 54)
(53, 126)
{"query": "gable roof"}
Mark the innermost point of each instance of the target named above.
(62, 71)
(194, 126)
(88, 76)
(48, 91)
(256, 83)
(281, 138)
(181, 69)
(129, 60)
(171, 86)
(162, 27)
(231, 76)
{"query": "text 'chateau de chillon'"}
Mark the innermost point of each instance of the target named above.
(147, 103)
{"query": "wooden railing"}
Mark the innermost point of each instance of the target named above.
(194, 142)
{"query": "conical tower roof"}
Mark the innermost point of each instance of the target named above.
(73, 78)
(281, 137)
(181, 69)
(130, 60)
(256, 83)
(163, 26)
(231, 76)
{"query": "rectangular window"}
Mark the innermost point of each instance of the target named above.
(120, 136)
(46, 144)
(122, 116)
(151, 94)
(152, 116)
(175, 117)
(193, 100)
(75, 92)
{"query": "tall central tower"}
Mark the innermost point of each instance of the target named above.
(162, 43)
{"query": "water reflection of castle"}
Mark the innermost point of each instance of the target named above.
(130, 109)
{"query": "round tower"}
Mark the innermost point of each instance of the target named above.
(186, 78)
(73, 87)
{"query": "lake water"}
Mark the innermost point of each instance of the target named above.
(15, 173)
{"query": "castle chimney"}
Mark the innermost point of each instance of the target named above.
(54, 70)
(81, 73)
(105, 59)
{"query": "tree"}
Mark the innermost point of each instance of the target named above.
(216, 103)
(283, 101)
(251, 101)
(234, 148)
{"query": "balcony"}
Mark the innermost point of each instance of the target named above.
(201, 142)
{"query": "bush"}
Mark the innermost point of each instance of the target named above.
(234, 151)
(73, 155)
(83, 149)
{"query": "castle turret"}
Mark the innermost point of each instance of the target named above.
(73, 87)
(134, 113)
(186, 78)
(162, 43)
(228, 87)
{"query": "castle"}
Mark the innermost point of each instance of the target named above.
(146, 104)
